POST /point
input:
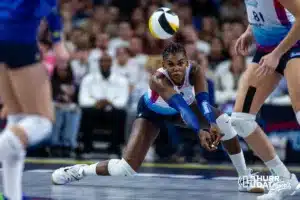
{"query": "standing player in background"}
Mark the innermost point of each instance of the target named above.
(171, 98)
(275, 26)
(24, 84)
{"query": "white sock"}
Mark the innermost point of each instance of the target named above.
(13, 168)
(277, 167)
(90, 169)
(238, 160)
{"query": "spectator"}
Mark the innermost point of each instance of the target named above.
(124, 36)
(79, 64)
(67, 113)
(126, 67)
(103, 97)
(136, 50)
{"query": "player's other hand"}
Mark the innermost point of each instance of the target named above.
(206, 140)
(243, 43)
(61, 53)
(216, 135)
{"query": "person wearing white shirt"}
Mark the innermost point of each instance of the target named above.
(127, 67)
(103, 97)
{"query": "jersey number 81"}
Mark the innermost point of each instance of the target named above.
(258, 16)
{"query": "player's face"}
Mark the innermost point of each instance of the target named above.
(175, 64)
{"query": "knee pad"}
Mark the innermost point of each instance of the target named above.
(118, 167)
(224, 123)
(36, 128)
(14, 119)
(243, 123)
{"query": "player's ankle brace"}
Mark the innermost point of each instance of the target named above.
(36, 128)
(224, 123)
(117, 167)
(243, 123)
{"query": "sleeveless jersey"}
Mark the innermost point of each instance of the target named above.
(270, 22)
(155, 102)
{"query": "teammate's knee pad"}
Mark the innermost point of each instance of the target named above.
(14, 119)
(224, 123)
(243, 123)
(117, 167)
(36, 128)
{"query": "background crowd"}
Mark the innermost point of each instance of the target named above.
(96, 93)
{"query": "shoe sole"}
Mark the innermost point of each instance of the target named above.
(256, 190)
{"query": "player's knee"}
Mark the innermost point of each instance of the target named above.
(117, 167)
(36, 128)
(224, 123)
(243, 123)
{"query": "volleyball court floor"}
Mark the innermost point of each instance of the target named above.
(155, 181)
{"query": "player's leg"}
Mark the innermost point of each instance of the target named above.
(31, 89)
(144, 131)
(291, 72)
(8, 165)
(249, 101)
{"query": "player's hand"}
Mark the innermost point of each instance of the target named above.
(206, 140)
(267, 64)
(61, 53)
(243, 43)
(216, 135)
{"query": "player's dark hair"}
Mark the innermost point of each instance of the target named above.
(173, 48)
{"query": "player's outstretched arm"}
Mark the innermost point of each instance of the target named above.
(160, 84)
(198, 79)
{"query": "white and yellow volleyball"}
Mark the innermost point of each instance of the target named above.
(163, 23)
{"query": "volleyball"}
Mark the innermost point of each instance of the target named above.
(163, 23)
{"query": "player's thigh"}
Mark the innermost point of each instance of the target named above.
(252, 91)
(6, 92)
(292, 75)
(33, 90)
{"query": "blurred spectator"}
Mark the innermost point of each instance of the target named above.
(79, 64)
(126, 67)
(103, 97)
(232, 5)
(124, 36)
(217, 52)
(67, 113)
(102, 40)
(136, 50)
(48, 56)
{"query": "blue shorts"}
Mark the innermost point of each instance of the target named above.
(16, 55)
(291, 54)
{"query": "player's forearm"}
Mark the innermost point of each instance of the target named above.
(290, 40)
(55, 25)
(205, 107)
(177, 102)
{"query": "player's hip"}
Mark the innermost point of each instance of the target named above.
(294, 52)
(17, 55)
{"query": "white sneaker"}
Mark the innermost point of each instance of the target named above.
(281, 189)
(66, 175)
(247, 183)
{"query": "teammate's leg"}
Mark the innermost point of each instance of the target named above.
(249, 101)
(12, 167)
(31, 89)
